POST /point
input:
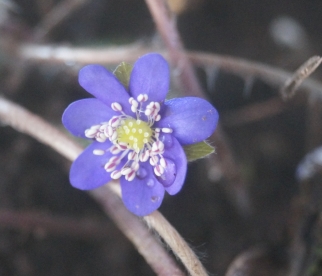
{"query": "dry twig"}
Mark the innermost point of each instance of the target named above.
(305, 70)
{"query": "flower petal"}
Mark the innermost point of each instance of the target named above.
(87, 172)
(192, 119)
(83, 114)
(142, 196)
(102, 84)
(151, 76)
(175, 153)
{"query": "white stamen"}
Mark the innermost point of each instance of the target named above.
(158, 170)
(144, 156)
(163, 162)
(126, 170)
(115, 149)
(116, 174)
(132, 155)
(116, 106)
(109, 167)
(135, 166)
(167, 130)
(130, 176)
(98, 152)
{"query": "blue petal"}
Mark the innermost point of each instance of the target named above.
(192, 119)
(142, 196)
(87, 172)
(102, 84)
(175, 153)
(151, 76)
(83, 114)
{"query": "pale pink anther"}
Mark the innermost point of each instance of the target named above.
(109, 167)
(157, 146)
(98, 152)
(132, 155)
(100, 137)
(130, 176)
(109, 131)
(158, 170)
(115, 121)
(122, 146)
(148, 111)
(135, 166)
(142, 98)
(115, 149)
(144, 156)
(114, 159)
(167, 130)
(163, 162)
(157, 118)
(114, 136)
(90, 133)
(126, 170)
(116, 106)
(116, 174)
(154, 160)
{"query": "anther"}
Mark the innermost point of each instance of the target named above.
(98, 152)
(116, 174)
(163, 162)
(116, 106)
(167, 130)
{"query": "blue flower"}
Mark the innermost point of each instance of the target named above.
(137, 135)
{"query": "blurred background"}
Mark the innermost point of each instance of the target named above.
(260, 214)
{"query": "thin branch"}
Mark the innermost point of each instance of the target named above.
(170, 235)
(114, 55)
(305, 70)
(82, 55)
(254, 112)
(136, 232)
(166, 25)
(40, 222)
(26, 122)
(57, 15)
(269, 74)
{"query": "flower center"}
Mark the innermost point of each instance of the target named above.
(134, 133)
(132, 137)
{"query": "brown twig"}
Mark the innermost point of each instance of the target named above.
(254, 112)
(305, 70)
(114, 55)
(179, 246)
(43, 223)
(82, 55)
(166, 25)
(136, 232)
(26, 122)
(57, 15)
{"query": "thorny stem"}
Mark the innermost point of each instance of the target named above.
(28, 123)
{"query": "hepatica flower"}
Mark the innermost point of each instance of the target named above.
(138, 136)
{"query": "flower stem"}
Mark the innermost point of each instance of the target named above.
(148, 246)
(170, 235)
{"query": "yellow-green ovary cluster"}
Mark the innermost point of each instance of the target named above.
(135, 133)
